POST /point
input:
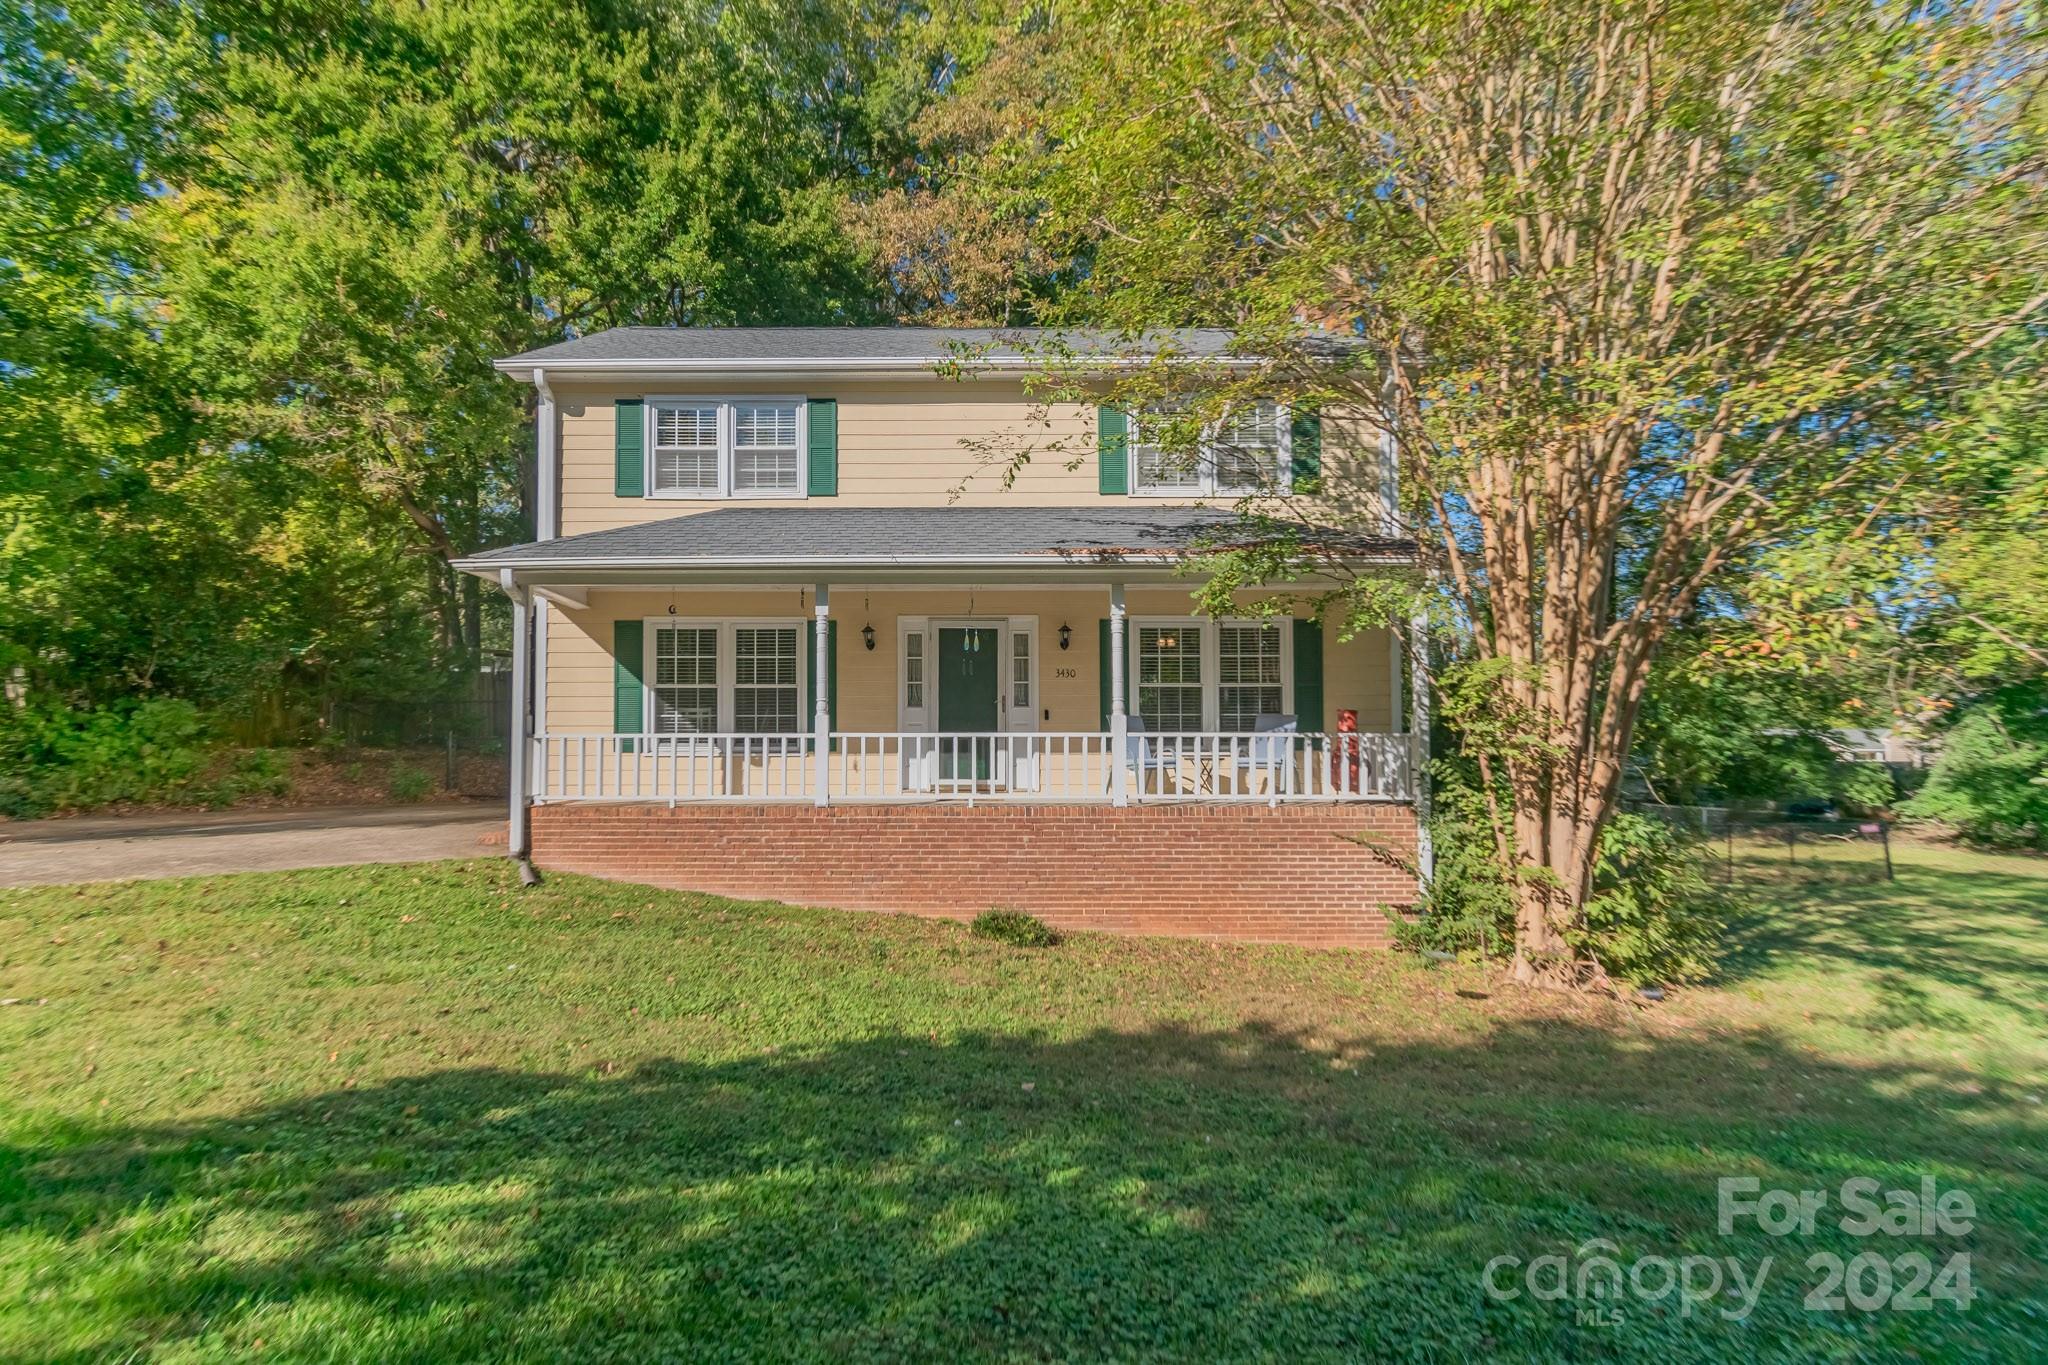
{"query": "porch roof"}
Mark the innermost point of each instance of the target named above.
(813, 539)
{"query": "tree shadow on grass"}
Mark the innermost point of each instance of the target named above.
(1172, 1194)
(1993, 947)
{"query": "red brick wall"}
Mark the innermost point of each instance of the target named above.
(1289, 875)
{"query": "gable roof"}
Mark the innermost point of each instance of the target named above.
(861, 347)
(904, 538)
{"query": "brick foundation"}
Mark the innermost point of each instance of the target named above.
(1286, 875)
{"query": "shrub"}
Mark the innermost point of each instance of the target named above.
(1468, 906)
(409, 784)
(1990, 783)
(247, 773)
(1653, 916)
(58, 758)
(1861, 788)
(1015, 928)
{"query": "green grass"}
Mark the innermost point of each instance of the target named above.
(419, 1113)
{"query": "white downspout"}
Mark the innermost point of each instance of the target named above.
(516, 831)
(547, 444)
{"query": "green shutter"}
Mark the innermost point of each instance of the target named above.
(1113, 451)
(1102, 662)
(1308, 675)
(831, 676)
(824, 468)
(629, 449)
(1307, 433)
(629, 646)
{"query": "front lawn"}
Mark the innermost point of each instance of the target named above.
(419, 1113)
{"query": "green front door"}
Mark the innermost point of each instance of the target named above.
(970, 664)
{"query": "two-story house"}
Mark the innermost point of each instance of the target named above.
(788, 631)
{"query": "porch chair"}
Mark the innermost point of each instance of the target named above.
(1274, 754)
(1143, 754)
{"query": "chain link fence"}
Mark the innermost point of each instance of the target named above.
(1754, 847)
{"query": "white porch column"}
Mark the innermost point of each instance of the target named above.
(1119, 727)
(522, 658)
(1418, 740)
(821, 702)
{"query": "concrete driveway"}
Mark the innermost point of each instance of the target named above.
(124, 847)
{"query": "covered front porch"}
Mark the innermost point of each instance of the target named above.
(759, 656)
(1102, 692)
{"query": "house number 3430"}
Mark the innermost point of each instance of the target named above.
(1066, 672)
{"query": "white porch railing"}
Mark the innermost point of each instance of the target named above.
(1056, 766)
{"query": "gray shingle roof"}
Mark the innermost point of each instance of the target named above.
(927, 345)
(905, 535)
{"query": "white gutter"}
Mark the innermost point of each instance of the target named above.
(1009, 367)
(490, 568)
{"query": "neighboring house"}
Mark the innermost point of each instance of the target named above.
(1895, 747)
(793, 637)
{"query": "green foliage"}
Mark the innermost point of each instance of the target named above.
(255, 262)
(1015, 928)
(1861, 788)
(1990, 783)
(1653, 916)
(1468, 907)
(250, 773)
(409, 784)
(53, 758)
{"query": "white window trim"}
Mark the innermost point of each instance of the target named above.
(727, 446)
(1212, 660)
(1205, 463)
(728, 667)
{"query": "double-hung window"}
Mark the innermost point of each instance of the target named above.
(725, 447)
(725, 677)
(685, 679)
(1244, 453)
(1209, 675)
(1248, 683)
(765, 697)
(1170, 677)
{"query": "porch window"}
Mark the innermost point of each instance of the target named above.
(685, 680)
(715, 448)
(1245, 453)
(1207, 676)
(1020, 669)
(913, 670)
(1170, 677)
(1248, 675)
(765, 698)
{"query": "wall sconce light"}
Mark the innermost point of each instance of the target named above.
(867, 636)
(1066, 635)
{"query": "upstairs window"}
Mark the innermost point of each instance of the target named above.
(1245, 453)
(720, 448)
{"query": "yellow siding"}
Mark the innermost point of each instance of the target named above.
(1357, 674)
(910, 443)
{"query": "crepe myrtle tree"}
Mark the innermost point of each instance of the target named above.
(1641, 290)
